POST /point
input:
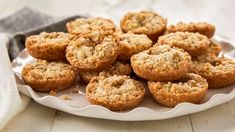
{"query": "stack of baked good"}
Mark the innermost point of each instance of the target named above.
(179, 67)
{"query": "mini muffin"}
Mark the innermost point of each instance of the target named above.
(47, 46)
(161, 63)
(194, 43)
(214, 48)
(82, 25)
(149, 23)
(92, 51)
(117, 68)
(218, 71)
(116, 93)
(45, 76)
(131, 44)
(192, 88)
(200, 27)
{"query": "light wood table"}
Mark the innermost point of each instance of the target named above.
(37, 118)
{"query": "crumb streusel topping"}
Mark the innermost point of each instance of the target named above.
(219, 71)
(116, 88)
(200, 27)
(193, 43)
(184, 39)
(43, 70)
(54, 39)
(131, 44)
(82, 25)
(161, 58)
(191, 83)
(214, 48)
(117, 68)
(92, 48)
(211, 65)
(137, 41)
(143, 22)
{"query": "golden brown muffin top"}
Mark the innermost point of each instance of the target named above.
(115, 88)
(210, 64)
(189, 84)
(200, 27)
(117, 68)
(53, 38)
(184, 40)
(144, 22)
(43, 70)
(161, 58)
(134, 41)
(91, 48)
(82, 25)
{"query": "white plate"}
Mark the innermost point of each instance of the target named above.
(147, 110)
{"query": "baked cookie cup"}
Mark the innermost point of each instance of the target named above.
(116, 93)
(144, 22)
(192, 88)
(92, 51)
(161, 63)
(45, 76)
(130, 44)
(199, 27)
(218, 71)
(83, 25)
(214, 48)
(117, 68)
(48, 46)
(193, 43)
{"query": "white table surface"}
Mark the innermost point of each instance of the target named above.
(37, 118)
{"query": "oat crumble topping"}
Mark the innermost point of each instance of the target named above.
(117, 88)
(191, 83)
(143, 22)
(44, 70)
(54, 38)
(162, 58)
(82, 25)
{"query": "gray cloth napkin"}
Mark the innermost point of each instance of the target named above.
(24, 20)
(27, 22)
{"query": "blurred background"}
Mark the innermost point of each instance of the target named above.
(218, 12)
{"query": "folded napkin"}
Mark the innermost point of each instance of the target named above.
(11, 101)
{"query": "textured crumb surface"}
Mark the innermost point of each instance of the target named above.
(161, 63)
(219, 71)
(117, 68)
(115, 92)
(192, 88)
(47, 76)
(82, 25)
(194, 43)
(148, 23)
(214, 48)
(131, 44)
(200, 27)
(93, 50)
(48, 46)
